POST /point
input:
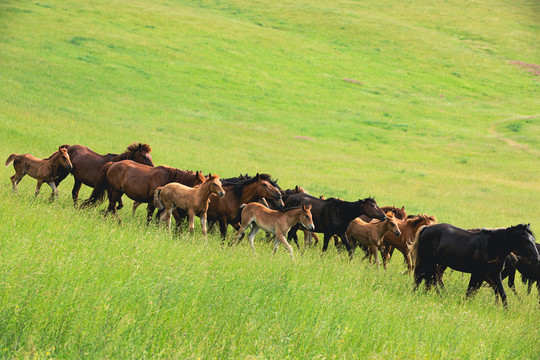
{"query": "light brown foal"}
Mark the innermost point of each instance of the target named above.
(277, 222)
(370, 235)
(194, 200)
(43, 170)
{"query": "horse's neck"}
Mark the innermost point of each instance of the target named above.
(205, 191)
(500, 243)
(248, 194)
(119, 157)
(349, 211)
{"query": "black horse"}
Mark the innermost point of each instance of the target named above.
(332, 216)
(480, 253)
(530, 272)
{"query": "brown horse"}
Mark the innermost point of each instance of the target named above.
(194, 200)
(87, 163)
(43, 170)
(273, 221)
(138, 182)
(226, 210)
(408, 228)
(371, 235)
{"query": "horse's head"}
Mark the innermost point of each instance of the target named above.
(199, 178)
(63, 158)
(299, 190)
(305, 217)
(370, 208)
(215, 185)
(392, 224)
(141, 153)
(524, 243)
(266, 190)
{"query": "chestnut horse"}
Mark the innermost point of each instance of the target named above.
(277, 222)
(138, 182)
(226, 210)
(43, 170)
(371, 234)
(332, 216)
(87, 163)
(408, 227)
(194, 200)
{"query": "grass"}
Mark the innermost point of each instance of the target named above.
(238, 86)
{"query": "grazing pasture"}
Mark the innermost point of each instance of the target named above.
(430, 105)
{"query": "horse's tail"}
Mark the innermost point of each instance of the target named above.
(10, 159)
(157, 198)
(100, 186)
(415, 245)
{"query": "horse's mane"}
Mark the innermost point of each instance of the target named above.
(238, 183)
(137, 146)
(417, 219)
(57, 152)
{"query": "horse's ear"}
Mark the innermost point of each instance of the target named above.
(296, 188)
(257, 176)
(140, 147)
(403, 207)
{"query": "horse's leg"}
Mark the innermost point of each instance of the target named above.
(498, 288)
(15, 180)
(38, 187)
(511, 273)
(385, 256)
(239, 234)
(135, 206)
(439, 276)
(191, 218)
(326, 240)
(251, 236)
(120, 204)
(54, 194)
(281, 238)
(315, 237)
(149, 213)
(223, 229)
(474, 284)
(203, 224)
(75, 191)
(345, 241)
(374, 252)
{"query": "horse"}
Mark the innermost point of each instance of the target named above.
(371, 234)
(408, 228)
(226, 210)
(399, 213)
(481, 253)
(43, 170)
(332, 216)
(277, 222)
(138, 182)
(87, 163)
(530, 273)
(194, 200)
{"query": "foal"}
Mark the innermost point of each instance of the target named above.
(194, 200)
(43, 170)
(273, 221)
(370, 235)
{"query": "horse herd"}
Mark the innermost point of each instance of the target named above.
(259, 203)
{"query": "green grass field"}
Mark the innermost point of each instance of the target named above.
(430, 105)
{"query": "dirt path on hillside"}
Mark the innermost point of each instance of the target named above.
(513, 143)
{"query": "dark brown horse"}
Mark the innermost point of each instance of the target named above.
(138, 182)
(332, 216)
(226, 210)
(43, 170)
(480, 253)
(87, 163)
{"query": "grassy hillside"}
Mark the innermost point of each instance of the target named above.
(431, 105)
